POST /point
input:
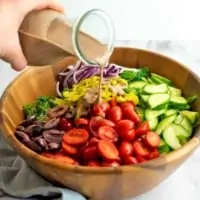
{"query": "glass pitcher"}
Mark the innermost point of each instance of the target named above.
(47, 37)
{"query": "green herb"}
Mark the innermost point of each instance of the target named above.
(142, 73)
(128, 75)
(138, 75)
(39, 108)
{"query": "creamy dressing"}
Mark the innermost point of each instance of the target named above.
(102, 63)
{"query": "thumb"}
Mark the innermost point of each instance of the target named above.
(14, 55)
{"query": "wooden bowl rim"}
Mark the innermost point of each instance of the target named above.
(162, 160)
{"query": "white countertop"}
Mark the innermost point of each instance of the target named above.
(138, 23)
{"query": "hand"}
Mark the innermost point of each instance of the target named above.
(12, 13)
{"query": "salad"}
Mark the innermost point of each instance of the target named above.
(142, 115)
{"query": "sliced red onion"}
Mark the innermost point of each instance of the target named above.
(63, 73)
(81, 71)
(58, 89)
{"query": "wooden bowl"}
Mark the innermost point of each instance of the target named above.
(98, 183)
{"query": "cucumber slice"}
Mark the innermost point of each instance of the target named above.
(179, 107)
(163, 147)
(137, 84)
(176, 101)
(175, 91)
(170, 112)
(150, 81)
(187, 126)
(165, 123)
(145, 98)
(150, 114)
(153, 89)
(180, 131)
(178, 119)
(190, 115)
(156, 80)
(182, 140)
(153, 123)
(162, 107)
(156, 100)
(140, 112)
(161, 79)
(152, 117)
(192, 99)
(169, 136)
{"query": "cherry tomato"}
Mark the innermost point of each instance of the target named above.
(76, 136)
(97, 110)
(93, 163)
(108, 150)
(152, 139)
(65, 125)
(96, 122)
(59, 157)
(131, 115)
(82, 122)
(128, 135)
(105, 106)
(140, 159)
(140, 149)
(124, 124)
(142, 129)
(90, 153)
(107, 133)
(114, 114)
(110, 164)
(93, 124)
(125, 149)
(127, 104)
(93, 141)
(153, 154)
(129, 160)
(102, 122)
(113, 102)
(69, 149)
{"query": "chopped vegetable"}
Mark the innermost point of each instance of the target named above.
(142, 73)
(141, 116)
(39, 108)
(192, 99)
(74, 74)
(139, 75)
(128, 75)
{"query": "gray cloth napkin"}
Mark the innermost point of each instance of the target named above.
(19, 181)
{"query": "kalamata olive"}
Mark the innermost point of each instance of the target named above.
(22, 136)
(42, 142)
(52, 123)
(37, 130)
(27, 122)
(28, 129)
(58, 111)
(54, 146)
(33, 145)
(53, 136)
(40, 123)
(20, 128)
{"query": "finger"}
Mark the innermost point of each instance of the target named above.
(14, 55)
(42, 4)
(18, 60)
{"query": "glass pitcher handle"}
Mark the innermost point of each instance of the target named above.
(76, 28)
